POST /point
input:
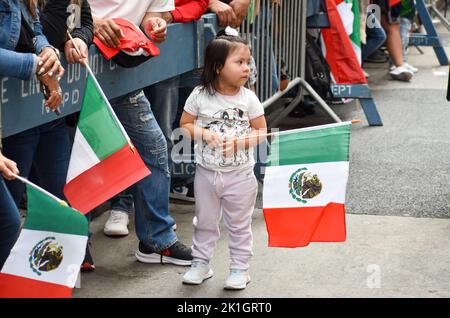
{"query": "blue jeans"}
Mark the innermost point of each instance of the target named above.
(375, 38)
(9, 222)
(151, 194)
(405, 27)
(46, 148)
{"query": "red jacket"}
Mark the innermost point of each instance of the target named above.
(189, 10)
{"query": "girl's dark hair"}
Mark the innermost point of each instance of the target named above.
(216, 54)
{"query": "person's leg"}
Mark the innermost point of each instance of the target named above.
(53, 156)
(405, 27)
(238, 203)
(21, 148)
(208, 212)
(151, 194)
(9, 222)
(393, 43)
(375, 37)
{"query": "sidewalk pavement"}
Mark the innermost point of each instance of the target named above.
(398, 210)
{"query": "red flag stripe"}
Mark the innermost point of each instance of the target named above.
(12, 286)
(340, 55)
(106, 179)
(297, 227)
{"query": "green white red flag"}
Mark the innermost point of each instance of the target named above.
(305, 185)
(46, 259)
(338, 48)
(103, 161)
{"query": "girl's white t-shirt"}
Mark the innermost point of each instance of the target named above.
(132, 10)
(229, 116)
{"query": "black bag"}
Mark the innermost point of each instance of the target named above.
(317, 70)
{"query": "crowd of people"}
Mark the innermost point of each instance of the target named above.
(33, 34)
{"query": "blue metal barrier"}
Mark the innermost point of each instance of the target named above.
(431, 38)
(22, 102)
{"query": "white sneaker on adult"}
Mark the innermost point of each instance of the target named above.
(410, 67)
(401, 73)
(117, 224)
(198, 272)
(237, 279)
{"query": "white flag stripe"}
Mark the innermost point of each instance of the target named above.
(74, 248)
(333, 176)
(82, 158)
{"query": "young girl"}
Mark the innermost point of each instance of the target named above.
(226, 121)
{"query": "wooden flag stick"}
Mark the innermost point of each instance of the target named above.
(62, 202)
(353, 122)
(102, 93)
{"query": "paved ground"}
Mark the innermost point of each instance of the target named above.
(398, 204)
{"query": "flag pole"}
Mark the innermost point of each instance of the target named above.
(102, 93)
(62, 202)
(355, 121)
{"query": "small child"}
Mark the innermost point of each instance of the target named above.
(226, 120)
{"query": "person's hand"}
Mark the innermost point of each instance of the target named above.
(224, 12)
(276, 2)
(71, 52)
(108, 32)
(212, 139)
(156, 29)
(53, 92)
(48, 63)
(229, 147)
(8, 168)
(240, 8)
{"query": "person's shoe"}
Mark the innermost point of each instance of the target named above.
(174, 227)
(237, 279)
(117, 224)
(184, 193)
(198, 272)
(377, 57)
(410, 67)
(88, 262)
(401, 73)
(366, 75)
(177, 254)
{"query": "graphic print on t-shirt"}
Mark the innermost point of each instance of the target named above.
(228, 123)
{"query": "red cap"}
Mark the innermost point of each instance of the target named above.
(132, 40)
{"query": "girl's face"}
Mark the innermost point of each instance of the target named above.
(236, 71)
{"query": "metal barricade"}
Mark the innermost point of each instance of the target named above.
(276, 33)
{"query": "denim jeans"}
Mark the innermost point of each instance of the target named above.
(405, 27)
(46, 148)
(9, 222)
(151, 194)
(375, 38)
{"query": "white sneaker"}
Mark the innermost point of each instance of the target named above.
(401, 73)
(238, 279)
(410, 67)
(198, 272)
(117, 224)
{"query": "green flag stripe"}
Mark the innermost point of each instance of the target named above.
(97, 124)
(355, 36)
(311, 146)
(45, 214)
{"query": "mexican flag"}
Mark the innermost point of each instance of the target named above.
(103, 161)
(353, 32)
(337, 47)
(46, 259)
(304, 186)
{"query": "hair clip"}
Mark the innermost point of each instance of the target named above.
(231, 31)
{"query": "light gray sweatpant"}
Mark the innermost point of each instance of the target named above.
(233, 195)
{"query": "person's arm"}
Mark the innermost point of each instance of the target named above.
(224, 12)
(8, 168)
(258, 135)
(155, 26)
(240, 8)
(187, 123)
(19, 65)
(107, 31)
(187, 11)
(86, 32)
